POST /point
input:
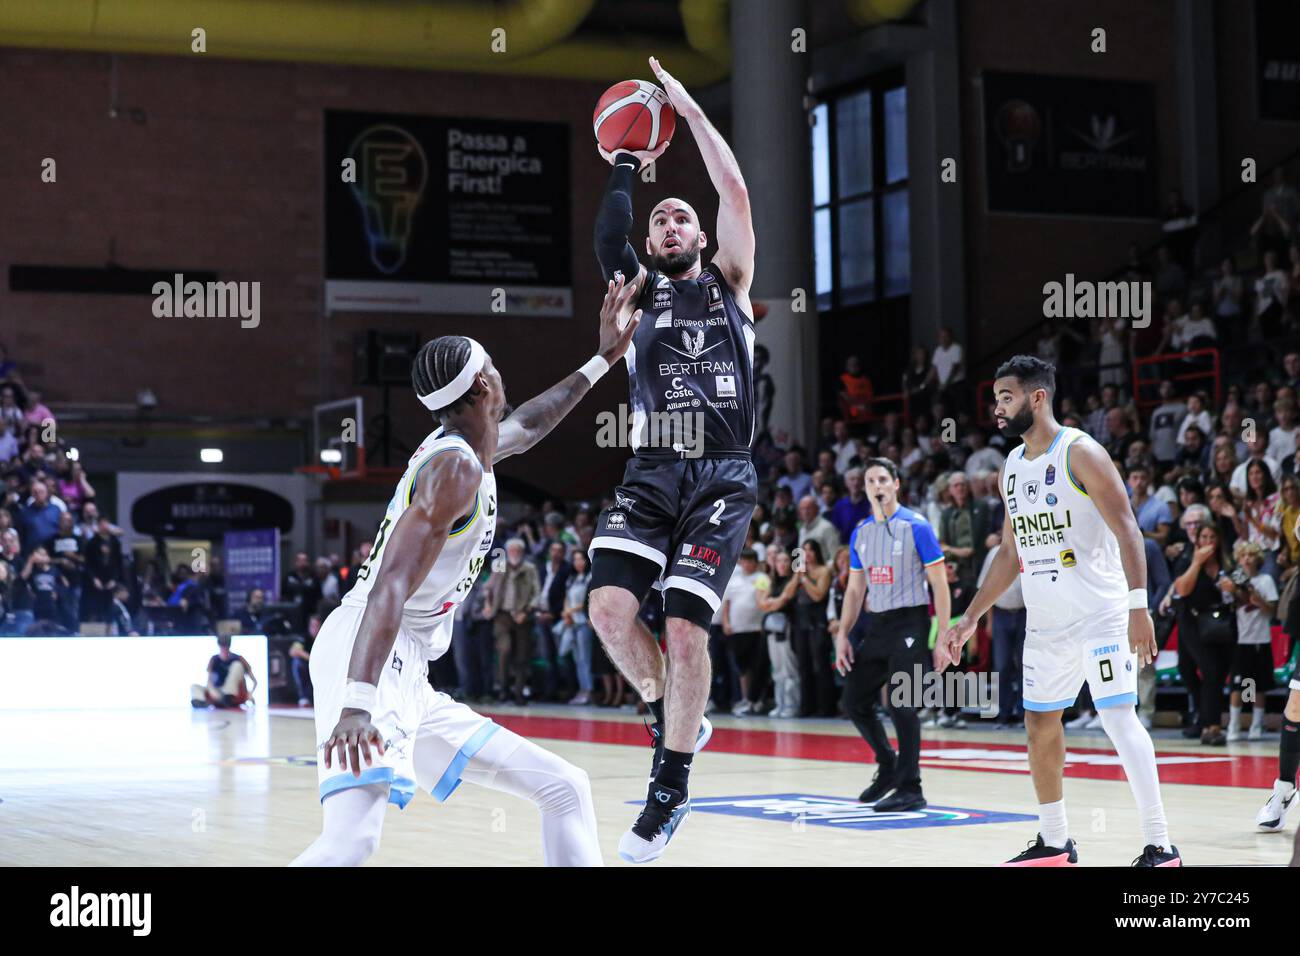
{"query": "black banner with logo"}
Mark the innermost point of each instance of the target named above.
(1277, 59)
(1070, 146)
(208, 509)
(440, 212)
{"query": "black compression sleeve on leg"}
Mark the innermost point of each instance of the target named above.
(688, 606)
(614, 221)
(1289, 756)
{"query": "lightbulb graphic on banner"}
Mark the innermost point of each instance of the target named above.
(391, 174)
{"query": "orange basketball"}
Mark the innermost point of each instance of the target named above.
(633, 115)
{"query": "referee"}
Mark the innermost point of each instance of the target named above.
(891, 556)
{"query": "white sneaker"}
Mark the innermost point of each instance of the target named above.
(647, 839)
(1256, 732)
(741, 709)
(1080, 722)
(944, 720)
(1273, 817)
(1094, 724)
(1234, 732)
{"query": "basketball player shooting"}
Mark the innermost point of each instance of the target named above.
(370, 663)
(681, 513)
(1070, 534)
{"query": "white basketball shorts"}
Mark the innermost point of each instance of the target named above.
(1056, 663)
(428, 737)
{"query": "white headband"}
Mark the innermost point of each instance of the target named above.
(458, 386)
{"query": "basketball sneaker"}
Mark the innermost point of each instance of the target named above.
(657, 742)
(665, 810)
(1040, 854)
(881, 784)
(1273, 816)
(902, 800)
(1159, 856)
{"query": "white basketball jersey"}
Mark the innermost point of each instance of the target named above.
(453, 574)
(1069, 559)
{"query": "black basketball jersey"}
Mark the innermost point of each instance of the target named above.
(691, 365)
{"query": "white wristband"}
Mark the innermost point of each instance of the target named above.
(359, 695)
(1137, 599)
(596, 367)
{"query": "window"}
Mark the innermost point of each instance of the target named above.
(861, 236)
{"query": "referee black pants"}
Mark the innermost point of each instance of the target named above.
(885, 651)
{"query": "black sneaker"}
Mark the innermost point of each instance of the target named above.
(665, 810)
(881, 784)
(902, 800)
(1159, 856)
(1040, 854)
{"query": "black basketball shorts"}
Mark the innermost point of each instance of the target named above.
(685, 519)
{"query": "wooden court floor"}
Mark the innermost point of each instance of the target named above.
(208, 788)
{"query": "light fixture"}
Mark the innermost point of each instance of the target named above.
(331, 456)
(212, 456)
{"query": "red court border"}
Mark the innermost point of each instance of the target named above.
(1210, 767)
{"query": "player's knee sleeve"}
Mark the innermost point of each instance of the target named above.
(687, 606)
(1289, 756)
(354, 820)
(539, 776)
(568, 789)
(363, 846)
(620, 569)
(1122, 725)
(1290, 733)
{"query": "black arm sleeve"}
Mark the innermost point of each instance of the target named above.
(614, 221)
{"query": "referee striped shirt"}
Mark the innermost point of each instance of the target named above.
(894, 554)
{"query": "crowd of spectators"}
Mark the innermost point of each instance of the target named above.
(61, 561)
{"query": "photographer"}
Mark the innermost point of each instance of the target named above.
(1256, 594)
(228, 676)
(1207, 628)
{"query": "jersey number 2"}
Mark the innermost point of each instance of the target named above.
(720, 504)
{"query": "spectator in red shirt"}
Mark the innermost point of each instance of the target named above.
(856, 393)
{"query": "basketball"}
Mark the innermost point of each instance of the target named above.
(633, 115)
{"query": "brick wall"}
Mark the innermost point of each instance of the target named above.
(225, 174)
